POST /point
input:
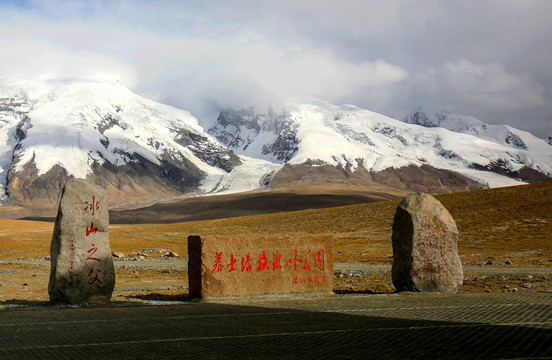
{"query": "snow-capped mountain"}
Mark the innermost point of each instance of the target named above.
(142, 150)
(138, 149)
(316, 132)
(501, 134)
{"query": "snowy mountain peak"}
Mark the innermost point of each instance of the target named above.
(140, 150)
(502, 134)
(75, 128)
(349, 137)
(444, 119)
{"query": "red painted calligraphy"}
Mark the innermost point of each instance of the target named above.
(92, 206)
(91, 229)
(95, 279)
(72, 263)
(319, 261)
(232, 262)
(217, 267)
(277, 259)
(294, 261)
(298, 264)
(246, 263)
(91, 252)
(306, 266)
(262, 263)
(94, 274)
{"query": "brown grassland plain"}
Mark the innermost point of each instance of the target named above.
(511, 225)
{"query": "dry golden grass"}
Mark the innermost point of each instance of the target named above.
(503, 224)
(508, 223)
(24, 238)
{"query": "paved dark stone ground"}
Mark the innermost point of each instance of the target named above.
(414, 326)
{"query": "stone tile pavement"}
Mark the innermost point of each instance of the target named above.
(398, 326)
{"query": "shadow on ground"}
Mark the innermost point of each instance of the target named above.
(345, 328)
(163, 297)
(24, 302)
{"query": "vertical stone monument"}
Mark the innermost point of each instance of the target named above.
(81, 265)
(425, 247)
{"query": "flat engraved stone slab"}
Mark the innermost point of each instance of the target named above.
(240, 267)
(81, 265)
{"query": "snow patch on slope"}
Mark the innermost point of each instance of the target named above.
(252, 174)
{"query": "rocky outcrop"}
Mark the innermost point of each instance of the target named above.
(209, 152)
(29, 189)
(424, 178)
(525, 173)
(132, 182)
(237, 128)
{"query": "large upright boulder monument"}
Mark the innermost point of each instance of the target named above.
(425, 247)
(81, 265)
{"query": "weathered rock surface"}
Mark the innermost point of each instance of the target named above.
(229, 267)
(425, 247)
(81, 265)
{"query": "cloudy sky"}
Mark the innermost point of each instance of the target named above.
(488, 58)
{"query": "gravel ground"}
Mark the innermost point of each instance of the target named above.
(25, 281)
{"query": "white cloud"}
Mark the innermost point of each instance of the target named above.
(247, 69)
(311, 72)
(198, 67)
(386, 56)
(488, 86)
(30, 59)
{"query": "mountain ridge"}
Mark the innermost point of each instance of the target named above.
(142, 151)
(354, 137)
(53, 130)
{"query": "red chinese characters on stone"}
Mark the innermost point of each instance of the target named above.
(231, 264)
(94, 273)
(217, 267)
(319, 261)
(296, 263)
(310, 279)
(72, 263)
(94, 279)
(91, 229)
(92, 251)
(277, 261)
(262, 263)
(306, 265)
(92, 206)
(246, 263)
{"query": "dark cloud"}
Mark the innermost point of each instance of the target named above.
(489, 59)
